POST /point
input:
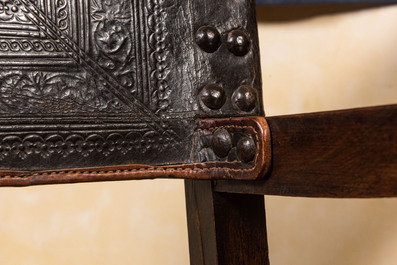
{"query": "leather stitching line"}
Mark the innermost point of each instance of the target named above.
(165, 169)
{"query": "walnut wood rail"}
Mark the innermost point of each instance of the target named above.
(338, 154)
(225, 228)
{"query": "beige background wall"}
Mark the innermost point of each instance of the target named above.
(324, 63)
(309, 64)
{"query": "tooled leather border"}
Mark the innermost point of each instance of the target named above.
(206, 170)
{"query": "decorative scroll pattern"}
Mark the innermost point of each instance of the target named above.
(158, 55)
(111, 58)
(85, 63)
(113, 41)
(62, 15)
(7, 45)
(53, 144)
(39, 93)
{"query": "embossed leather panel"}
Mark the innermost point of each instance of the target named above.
(98, 83)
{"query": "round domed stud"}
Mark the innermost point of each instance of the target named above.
(213, 96)
(246, 149)
(238, 42)
(245, 98)
(208, 39)
(221, 142)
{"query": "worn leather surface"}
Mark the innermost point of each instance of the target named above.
(212, 167)
(114, 84)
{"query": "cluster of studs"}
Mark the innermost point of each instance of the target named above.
(223, 142)
(209, 40)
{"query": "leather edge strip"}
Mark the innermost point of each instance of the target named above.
(206, 170)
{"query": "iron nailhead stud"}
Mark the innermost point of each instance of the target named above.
(221, 142)
(213, 96)
(245, 98)
(208, 39)
(246, 149)
(238, 42)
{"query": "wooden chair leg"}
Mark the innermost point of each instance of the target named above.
(225, 228)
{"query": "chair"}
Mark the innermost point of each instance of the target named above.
(126, 95)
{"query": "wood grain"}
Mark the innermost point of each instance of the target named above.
(338, 154)
(225, 229)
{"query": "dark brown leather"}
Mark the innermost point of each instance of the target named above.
(95, 85)
(231, 167)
